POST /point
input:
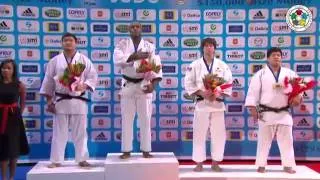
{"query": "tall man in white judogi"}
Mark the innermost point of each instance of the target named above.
(135, 99)
(209, 109)
(70, 111)
(268, 104)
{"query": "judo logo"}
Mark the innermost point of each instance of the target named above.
(299, 18)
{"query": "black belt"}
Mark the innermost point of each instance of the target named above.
(133, 80)
(199, 98)
(68, 97)
(264, 108)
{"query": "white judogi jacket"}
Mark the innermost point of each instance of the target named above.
(55, 68)
(193, 82)
(125, 48)
(262, 91)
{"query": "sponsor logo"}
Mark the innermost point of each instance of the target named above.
(100, 136)
(168, 122)
(52, 13)
(102, 109)
(235, 28)
(32, 110)
(7, 53)
(6, 40)
(235, 135)
(100, 55)
(168, 95)
(305, 41)
(102, 69)
(29, 40)
(148, 28)
(236, 68)
(234, 108)
(190, 55)
(168, 42)
(52, 41)
(213, 15)
(170, 68)
(257, 55)
(305, 109)
(190, 28)
(281, 41)
(53, 27)
(146, 15)
(6, 25)
(77, 27)
(238, 82)
(33, 137)
(190, 15)
(303, 122)
(304, 68)
(280, 28)
(31, 124)
(101, 96)
(99, 14)
(77, 13)
(28, 26)
(253, 135)
(235, 55)
(186, 135)
(258, 41)
(168, 135)
(213, 28)
(28, 12)
(258, 14)
(121, 28)
(32, 96)
(100, 123)
(186, 121)
(31, 82)
(169, 28)
(29, 68)
(123, 14)
(187, 108)
(100, 28)
(190, 42)
(236, 15)
(303, 135)
(169, 82)
(168, 15)
(258, 28)
(168, 108)
(100, 41)
(6, 11)
(234, 122)
(235, 42)
(279, 13)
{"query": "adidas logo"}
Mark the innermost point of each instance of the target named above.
(259, 15)
(303, 122)
(101, 137)
(305, 95)
(28, 13)
(236, 83)
(168, 43)
(4, 26)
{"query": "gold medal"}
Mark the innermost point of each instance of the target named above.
(277, 86)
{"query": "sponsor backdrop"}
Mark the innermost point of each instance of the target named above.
(30, 32)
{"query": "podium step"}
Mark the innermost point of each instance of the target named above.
(246, 172)
(161, 166)
(68, 171)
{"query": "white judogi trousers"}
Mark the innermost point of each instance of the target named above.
(78, 126)
(201, 123)
(283, 133)
(133, 101)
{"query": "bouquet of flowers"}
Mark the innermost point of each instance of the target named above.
(215, 84)
(71, 76)
(295, 86)
(149, 70)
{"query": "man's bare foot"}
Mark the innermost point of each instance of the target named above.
(289, 170)
(125, 155)
(54, 165)
(198, 168)
(261, 170)
(146, 154)
(84, 164)
(216, 168)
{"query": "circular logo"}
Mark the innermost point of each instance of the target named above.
(299, 18)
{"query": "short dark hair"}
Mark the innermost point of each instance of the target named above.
(208, 41)
(15, 77)
(272, 50)
(69, 35)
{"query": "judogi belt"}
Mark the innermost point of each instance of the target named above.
(264, 108)
(199, 98)
(132, 80)
(69, 97)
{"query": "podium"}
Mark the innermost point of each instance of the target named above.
(161, 166)
(68, 171)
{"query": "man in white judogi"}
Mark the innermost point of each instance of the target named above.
(135, 99)
(70, 110)
(267, 103)
(209, 109)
